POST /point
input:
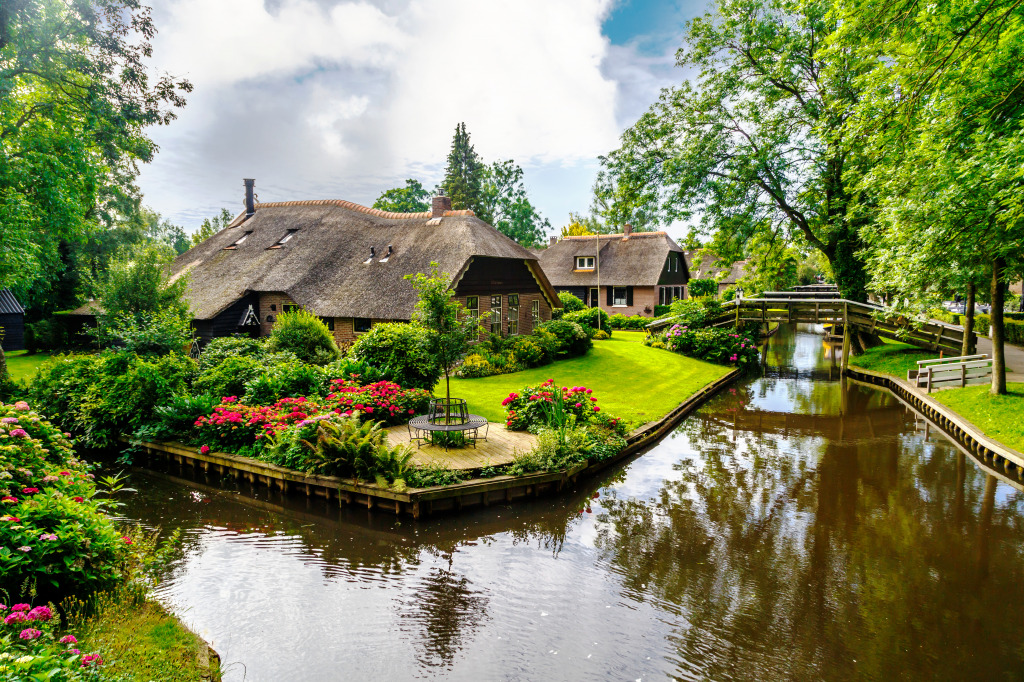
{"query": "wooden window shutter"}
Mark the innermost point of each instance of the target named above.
(629, 295)
(610, 296)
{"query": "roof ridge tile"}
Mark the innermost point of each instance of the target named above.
(352, 206)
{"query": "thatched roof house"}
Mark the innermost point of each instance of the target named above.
(629, 272)
(348, 263)
(12, 322)
(701, 264)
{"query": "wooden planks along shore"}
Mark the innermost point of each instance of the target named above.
(424, 501)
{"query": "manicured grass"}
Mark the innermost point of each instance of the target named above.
(999, 416)
(141, 641)
(630, 380)
(22, 366)
(892, 357)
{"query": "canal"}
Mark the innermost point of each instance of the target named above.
(795, 527)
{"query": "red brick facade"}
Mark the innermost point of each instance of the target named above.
(525, 319)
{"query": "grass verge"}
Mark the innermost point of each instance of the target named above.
(140, 641)
(892, 357)
(630, 380)
(1000, 416)
(22, 366)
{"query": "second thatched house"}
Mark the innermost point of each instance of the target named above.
(348, 263)
(628, 273)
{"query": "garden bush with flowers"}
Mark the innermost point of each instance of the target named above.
(528, 407)
(721, 346)
(33, 649)
(54, 535)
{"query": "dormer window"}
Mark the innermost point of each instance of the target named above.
(238, 241)
(584, 262)
(284, 240)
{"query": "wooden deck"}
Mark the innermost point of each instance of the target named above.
(501, 447)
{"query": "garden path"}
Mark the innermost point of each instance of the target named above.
(501, 447)
(1014, 356)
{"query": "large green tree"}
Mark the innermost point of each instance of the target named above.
(413, 198)
(508, 206)
(464, 176)
(211, 226)
(941, 118)
(76, 98)
(757, 141)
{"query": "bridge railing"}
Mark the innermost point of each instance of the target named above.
(867, 317)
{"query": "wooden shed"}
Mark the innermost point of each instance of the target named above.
(12, 322)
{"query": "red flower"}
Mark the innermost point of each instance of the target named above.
(78, 499)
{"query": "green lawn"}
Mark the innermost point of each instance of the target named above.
(892, 357)
(630, 380)
(999, 416)
(22, 366)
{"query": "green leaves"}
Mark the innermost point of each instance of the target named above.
(412, 198)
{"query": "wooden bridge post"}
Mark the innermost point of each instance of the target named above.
(847, 330)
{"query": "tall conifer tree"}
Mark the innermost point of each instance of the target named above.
(464, 176)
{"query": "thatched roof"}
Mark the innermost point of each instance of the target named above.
(8, 304)
(636, 260)
(701, 265)
(324, 267)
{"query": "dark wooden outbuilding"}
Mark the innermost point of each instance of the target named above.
(12, 322)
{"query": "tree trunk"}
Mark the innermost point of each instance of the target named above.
(968, 347)
(998, 357)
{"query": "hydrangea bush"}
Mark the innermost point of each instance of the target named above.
(54, 536)
(527, 407)
(32, 650)
(714, 345)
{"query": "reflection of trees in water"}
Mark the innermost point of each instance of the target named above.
(877, 560)
(446, 610)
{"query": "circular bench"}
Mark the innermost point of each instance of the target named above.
(420, 428)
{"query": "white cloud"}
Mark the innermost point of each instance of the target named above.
(345, 99)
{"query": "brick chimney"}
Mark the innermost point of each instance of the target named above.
(552, 241)
(250, 197)
(627, 230)
(439, 205)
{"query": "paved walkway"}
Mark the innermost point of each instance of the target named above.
(1014, 357)
(501, 447)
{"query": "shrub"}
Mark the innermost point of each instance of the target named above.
(475, 366)
(714, 345)
(233, 426)
(528, 407)
(47, 334)
(284, 380)
(696, 313)
(220, 349)
(570, 303)
(1013, 331)
(729, 293)
(526, 351)
(571, 338)
(383, 401)
(178, 417)
(661, 310)
(590, 319)
(620, 321)
(601, 335)
(32, 651)
(399, 351)
(104, 396)
(353, 370)
(304, 334)
(54, 537)
(702, 287)
(229, 377)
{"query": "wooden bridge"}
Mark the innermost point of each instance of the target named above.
(824, 307)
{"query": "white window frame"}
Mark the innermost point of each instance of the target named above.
(535, 311)
(513, 314)
(471, 309)
(616, 299)
(496, 314)
(584, 262)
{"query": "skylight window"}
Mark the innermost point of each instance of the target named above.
(284, 240)
(239, 240)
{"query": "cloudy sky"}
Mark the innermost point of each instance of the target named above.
(340, 99)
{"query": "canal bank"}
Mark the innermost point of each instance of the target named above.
(791, 525)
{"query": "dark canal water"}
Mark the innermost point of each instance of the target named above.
(793, 529)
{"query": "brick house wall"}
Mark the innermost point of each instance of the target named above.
(644, 300)
(525, 318)
(271, 305)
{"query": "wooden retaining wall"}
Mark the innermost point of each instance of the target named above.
(423, 501)
(954, 425)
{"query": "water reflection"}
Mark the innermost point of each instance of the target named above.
(794, 528)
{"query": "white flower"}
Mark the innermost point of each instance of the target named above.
(24, 659)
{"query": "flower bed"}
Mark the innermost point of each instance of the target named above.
(33, 650)
(527, 407)
(713, 345)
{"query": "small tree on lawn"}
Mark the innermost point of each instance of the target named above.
(449, 326)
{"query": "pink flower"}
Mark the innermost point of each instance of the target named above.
(9, 500)
(30, 491)
(65, 473)
(91, 659)
(41, 613)
(74, 652)
(204, 450)
(30, 633)
(127, 540)
(21, 406)
(24, 548)
(78, 499)
(16, 617)
(68, 639)
(12, 519)
(21, 607)
(596, 408)
(19, 433)
(47, 536)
